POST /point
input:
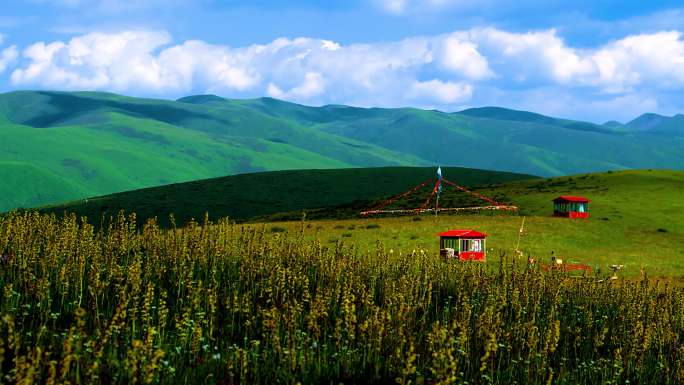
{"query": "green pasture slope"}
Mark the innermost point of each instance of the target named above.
(637, 217)
(278, 194)
(637, 220)
(59, 146)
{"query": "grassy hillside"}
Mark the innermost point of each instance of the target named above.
(637, 217)
(74, 145)
(489, 138)
(531, 117)
(637, 220)
(86, 144)
(267, 194)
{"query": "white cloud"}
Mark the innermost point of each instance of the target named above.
(329, 45)
(529, 56)
(440, 92)
(198, 64)
(313, 85)
(543, 57)
(96, 61)
(302, 69)
(639, 59)
(463, 57)
(274, 91)
(442, 71)
(131, 61)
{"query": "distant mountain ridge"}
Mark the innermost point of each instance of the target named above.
(655, 123)
(500, 113)
(58, 146)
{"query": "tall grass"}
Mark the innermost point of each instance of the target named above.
(218, 303)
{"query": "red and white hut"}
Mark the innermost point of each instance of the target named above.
(567, 206)
(466, 245)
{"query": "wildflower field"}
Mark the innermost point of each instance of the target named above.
(231, 304)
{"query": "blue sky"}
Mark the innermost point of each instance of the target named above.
(590, 60)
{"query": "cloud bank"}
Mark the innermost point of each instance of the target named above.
(447, 71)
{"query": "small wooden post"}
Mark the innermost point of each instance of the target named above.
(520, 232)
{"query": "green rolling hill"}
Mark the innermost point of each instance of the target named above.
(648, 198)
(636, 220)
(60, 146)
(636, 217)
(328, 193)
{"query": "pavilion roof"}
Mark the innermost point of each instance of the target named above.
(462, 234)
(571, 198)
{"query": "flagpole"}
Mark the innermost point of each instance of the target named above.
(439, 188)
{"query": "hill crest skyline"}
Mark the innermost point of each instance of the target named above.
(204, 98)
(68, 145)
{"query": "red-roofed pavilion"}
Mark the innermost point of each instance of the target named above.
(466, 245)
(568, 206)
